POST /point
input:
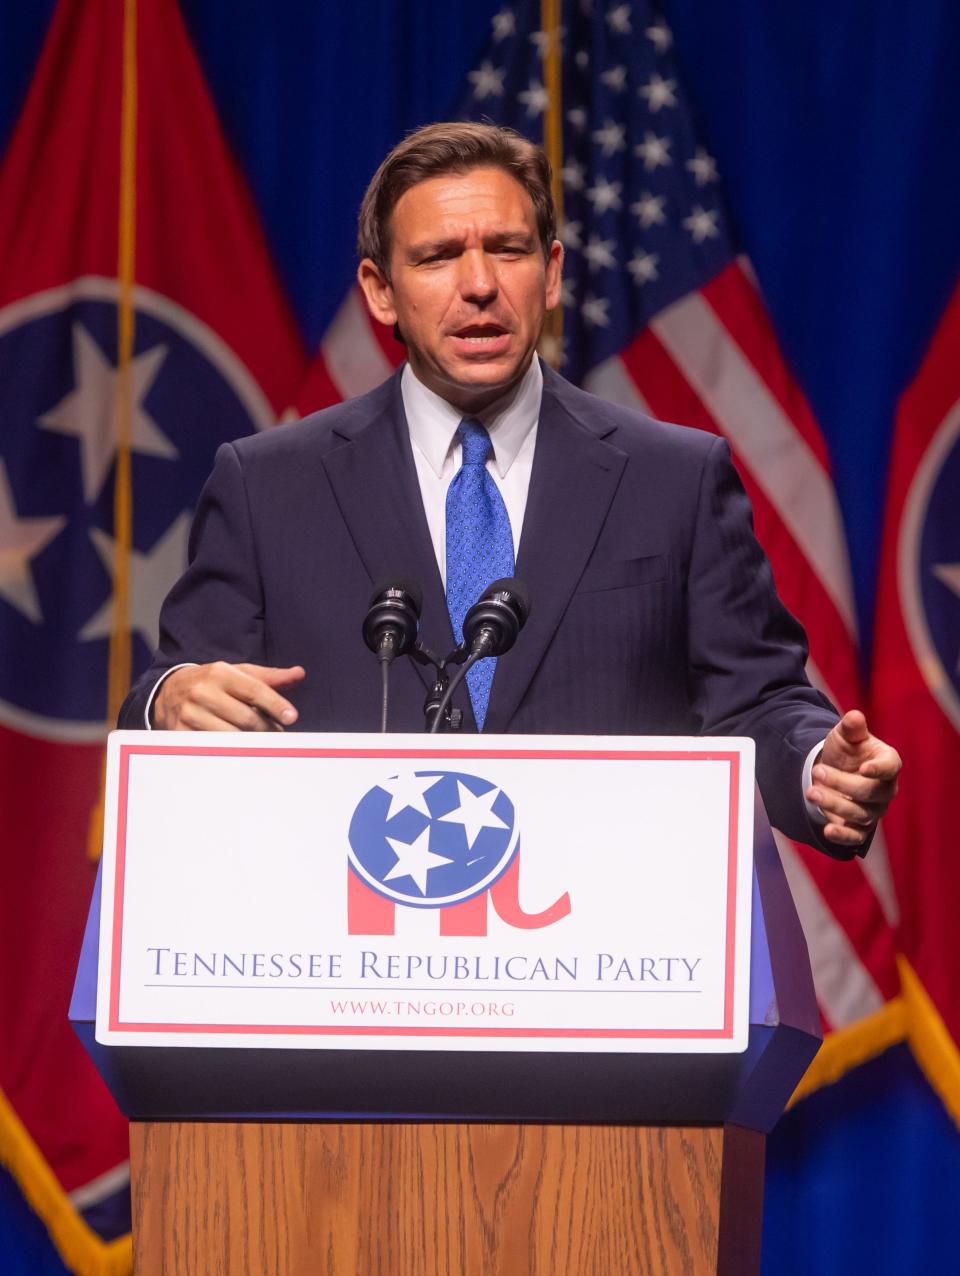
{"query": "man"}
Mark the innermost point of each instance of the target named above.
(653, 607)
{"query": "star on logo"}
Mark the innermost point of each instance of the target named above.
(610, 138)
(89, 410)
(151, 576)
(414, 860)
(487, 81)
(649, 209)
(703, 167)
(599, 253)
(535, 98)
(409, 790)
(594, 311)
(21, 540)
(659, 92)
(577, 115)
(643, 267)
(702, 224)
(475, 813)
(654, 151)
(604, 194)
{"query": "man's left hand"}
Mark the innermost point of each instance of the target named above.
(855, 780)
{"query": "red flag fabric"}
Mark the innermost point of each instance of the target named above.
(216, 354)
(917, 695)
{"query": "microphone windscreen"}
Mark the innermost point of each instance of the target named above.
(400, 583)
(519, 594)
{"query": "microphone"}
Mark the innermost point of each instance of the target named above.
(393, 618)
(490, 628)
(492, 624)
(390, 629)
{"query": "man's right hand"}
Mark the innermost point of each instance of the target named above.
(223, 697)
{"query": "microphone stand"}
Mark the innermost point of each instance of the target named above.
(438, 713)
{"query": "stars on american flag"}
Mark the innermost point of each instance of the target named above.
(654, 151)
(702, 224)
(659, 92)
(604, 194)
(487, 81)
(642, 219)
(648, 209)
(535, 98)
(703, 167)
(610, 138)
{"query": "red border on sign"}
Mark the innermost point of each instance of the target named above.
(337, 1030)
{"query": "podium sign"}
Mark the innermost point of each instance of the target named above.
(483, 893)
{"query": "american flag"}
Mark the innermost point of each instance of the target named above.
(661, 312)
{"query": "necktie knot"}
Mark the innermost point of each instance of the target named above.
(475, 442)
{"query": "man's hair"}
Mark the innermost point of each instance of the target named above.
(437, 149)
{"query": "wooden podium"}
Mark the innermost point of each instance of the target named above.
(448, 1163)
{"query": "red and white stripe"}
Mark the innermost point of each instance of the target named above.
(712, 360)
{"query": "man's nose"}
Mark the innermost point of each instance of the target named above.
(478, 277)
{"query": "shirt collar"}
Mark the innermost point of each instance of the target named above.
(433, 421)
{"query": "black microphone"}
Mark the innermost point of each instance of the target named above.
(393, 618)
(492, 624)
(390, 629)
(490, 628)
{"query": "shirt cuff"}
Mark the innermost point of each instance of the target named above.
(186, 664)
(816, 815)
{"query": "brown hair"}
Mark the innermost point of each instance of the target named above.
(436, 149)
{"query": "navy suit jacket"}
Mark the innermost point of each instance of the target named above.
(653, 608)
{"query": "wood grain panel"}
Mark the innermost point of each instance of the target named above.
(436, 1200)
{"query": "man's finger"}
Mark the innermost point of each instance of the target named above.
(197, 717)
(861, 788)
(842, 835)
(273, 676)
(831, 803)
(233, 707)
(853, 727)
(885, 765)
(254, 692)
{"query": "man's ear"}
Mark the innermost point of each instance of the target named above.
(554, 274)
(377, 290)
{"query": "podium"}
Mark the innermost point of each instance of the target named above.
(254, 1159)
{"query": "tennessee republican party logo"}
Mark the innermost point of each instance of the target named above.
(443, 840)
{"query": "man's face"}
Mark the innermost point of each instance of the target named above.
(468, 283)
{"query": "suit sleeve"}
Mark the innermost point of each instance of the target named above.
(215, 610)
(747, 653)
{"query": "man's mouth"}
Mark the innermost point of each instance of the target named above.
(480, 334)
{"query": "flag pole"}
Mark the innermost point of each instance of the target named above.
(120, 660)
(550, 14)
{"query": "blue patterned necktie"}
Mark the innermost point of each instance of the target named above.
(479, 546)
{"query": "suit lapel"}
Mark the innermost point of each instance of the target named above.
(375, 484)
(575, 475)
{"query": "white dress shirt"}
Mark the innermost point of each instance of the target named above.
(511, 423)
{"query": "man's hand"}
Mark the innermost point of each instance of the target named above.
(855, 780)
(222, 697)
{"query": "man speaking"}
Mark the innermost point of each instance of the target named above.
(653, 608)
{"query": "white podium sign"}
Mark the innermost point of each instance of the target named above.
(409, 892)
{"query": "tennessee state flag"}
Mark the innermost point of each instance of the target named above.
(916, 690)
(214, 354)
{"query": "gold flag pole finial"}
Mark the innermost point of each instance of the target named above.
(120, 656)
(550, 10)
